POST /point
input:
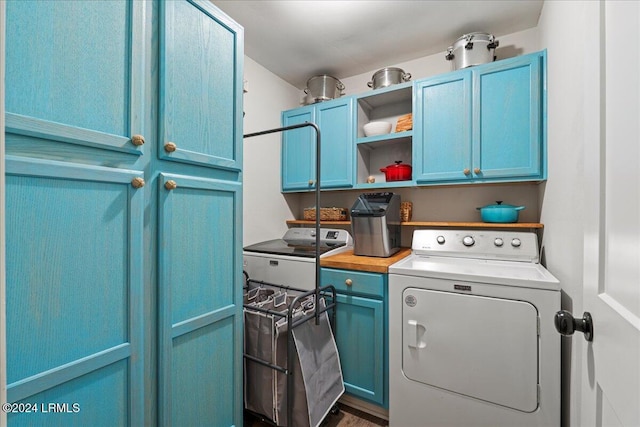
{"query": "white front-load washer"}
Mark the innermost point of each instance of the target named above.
(471, 334)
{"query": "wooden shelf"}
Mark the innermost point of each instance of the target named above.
(472, 224)
(535, 225)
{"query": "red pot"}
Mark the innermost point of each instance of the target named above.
(397, 172)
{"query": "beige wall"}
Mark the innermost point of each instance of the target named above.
(516, 44)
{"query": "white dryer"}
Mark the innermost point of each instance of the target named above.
(471, 334)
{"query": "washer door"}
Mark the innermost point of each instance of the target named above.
(482, 347)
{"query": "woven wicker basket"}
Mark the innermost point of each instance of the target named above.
(326, 214)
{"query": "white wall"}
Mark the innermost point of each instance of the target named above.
(264, 208)
(562, 195)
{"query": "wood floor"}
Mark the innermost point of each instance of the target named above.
(347, 417)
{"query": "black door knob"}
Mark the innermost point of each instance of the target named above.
(566, 324)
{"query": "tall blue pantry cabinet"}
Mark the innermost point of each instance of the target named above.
(123, 213)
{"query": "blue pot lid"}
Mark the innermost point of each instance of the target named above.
(499, 205)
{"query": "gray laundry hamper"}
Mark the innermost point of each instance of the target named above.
(292, 367)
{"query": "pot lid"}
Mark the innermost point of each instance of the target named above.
(499, 205)
(398, 164)
(382, 70)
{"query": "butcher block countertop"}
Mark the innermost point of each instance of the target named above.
(348, 261)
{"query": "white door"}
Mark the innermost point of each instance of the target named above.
(611, 377)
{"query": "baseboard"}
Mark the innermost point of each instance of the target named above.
(363, 406)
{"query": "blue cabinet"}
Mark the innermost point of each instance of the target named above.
(124, 269)
(335, 120)
(508, 102)
(484, 123)
(198, 110)
(442, 128)
(361, 332)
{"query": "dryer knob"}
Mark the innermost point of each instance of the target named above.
(440, 240)
(516, 243)
(498, 242)
(468, 241)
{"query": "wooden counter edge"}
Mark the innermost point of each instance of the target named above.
(348, 261)
(443, 224)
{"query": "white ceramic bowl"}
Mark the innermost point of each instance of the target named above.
(376, 128)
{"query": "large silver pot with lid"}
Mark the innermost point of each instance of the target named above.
(388, 76)
(323, 88)
(472, 49)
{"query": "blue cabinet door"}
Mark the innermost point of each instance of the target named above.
(361, 331)
(74, 236)
(200, 294)
(200, 76)
(360, 340)
(335, 120)
(442, 128)
(298, 150)
(507, 118)
(65, 85)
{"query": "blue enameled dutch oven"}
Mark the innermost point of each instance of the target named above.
(500, 213)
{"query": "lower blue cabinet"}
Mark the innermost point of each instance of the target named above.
(361, 332)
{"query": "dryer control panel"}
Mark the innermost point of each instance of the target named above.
(480, 244)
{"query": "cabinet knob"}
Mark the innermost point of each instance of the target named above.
(170, 185)
(137, 182)
(137, 140)
(348, 282)
(466, 171)
(310, 182)
(476, 171)
(170, 147)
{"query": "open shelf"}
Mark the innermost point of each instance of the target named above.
(377, 140)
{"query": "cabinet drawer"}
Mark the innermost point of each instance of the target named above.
(357, 282)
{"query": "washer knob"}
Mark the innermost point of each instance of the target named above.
(468, 241)
(516, 243)
(498, 242)
(440, 240)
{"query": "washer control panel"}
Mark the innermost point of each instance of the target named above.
(481, 244)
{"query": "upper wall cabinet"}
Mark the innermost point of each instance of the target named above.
(482, 124)
(335, 120)
(443, 128)
(485, 123)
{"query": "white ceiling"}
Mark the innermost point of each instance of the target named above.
(299, 39)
